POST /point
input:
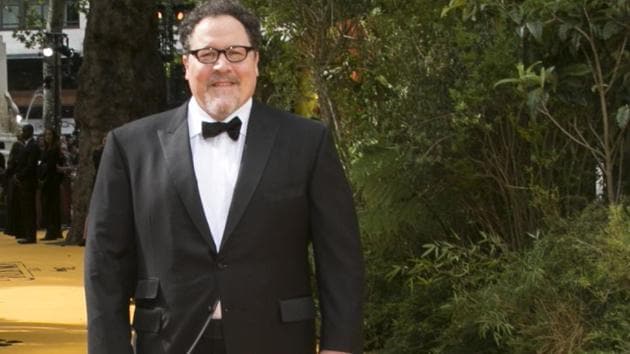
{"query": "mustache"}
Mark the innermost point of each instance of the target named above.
(216, 79)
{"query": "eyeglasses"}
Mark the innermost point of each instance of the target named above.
(233, 54)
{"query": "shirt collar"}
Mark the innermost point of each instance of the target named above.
(196, 115)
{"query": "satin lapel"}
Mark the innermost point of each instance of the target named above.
(261, 133)
(175, 142)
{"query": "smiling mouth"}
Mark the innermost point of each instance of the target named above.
(222, 83)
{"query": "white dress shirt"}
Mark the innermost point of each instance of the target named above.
(216, 161)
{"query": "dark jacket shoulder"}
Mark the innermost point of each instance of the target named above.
(147, 126)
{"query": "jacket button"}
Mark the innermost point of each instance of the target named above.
(222, 266)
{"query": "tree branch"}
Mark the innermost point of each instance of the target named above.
(582, 143)
(617, 64)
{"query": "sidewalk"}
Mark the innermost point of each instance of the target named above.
(42, 309)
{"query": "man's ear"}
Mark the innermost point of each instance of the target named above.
(256, 62)
(185, 62)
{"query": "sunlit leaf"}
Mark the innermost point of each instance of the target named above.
(580, 69)
(506, 81)
(452, 5)
(535, 100)
(623, 115)
(536, 29)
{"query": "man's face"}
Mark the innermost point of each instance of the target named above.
(26, 134)
(222, 87)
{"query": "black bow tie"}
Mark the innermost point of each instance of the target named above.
(232, 128)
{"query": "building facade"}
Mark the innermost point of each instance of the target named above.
(24, 79)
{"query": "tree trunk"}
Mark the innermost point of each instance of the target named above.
(121, 79)
(52, 88)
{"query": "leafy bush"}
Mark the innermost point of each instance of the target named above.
(568, 293)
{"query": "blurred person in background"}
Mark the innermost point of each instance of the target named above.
(50, 176)
(26, 179)
(14, 219)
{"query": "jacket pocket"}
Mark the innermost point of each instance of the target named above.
(147, 320)
(147, 289)
(297, 309)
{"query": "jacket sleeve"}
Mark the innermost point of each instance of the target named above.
(110, 255)
(337, 250)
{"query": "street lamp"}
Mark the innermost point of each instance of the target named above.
(48, 52)
(56, 44)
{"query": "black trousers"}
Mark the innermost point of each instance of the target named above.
(14, 217)
(212, 341)
(51, 209)
(28, 213)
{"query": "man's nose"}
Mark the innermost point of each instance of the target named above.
(222, 63)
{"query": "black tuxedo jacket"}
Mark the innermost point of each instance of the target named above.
(148, 240)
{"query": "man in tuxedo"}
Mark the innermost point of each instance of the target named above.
(204, 215)
(14, 218)
(25, 178)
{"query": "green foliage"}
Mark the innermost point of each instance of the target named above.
(569, 293)
(506, 161)
(32, 33)
(435, 148)
(587, 44)
(532, 84)
(279, 71)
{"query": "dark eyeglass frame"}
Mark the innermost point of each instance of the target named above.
(223, 51)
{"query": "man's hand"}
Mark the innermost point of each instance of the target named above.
(332, 352)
